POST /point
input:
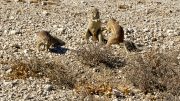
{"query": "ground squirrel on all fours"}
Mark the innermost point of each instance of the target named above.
(94, 26)
(47, 40)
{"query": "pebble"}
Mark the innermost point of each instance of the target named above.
(129, 30)
(26, 97)
(178, 57)
(17, 0)
(146, 30)
(14, 32)
(116, 99)
(5, 32)
(83, 2)
(45, 13)
(171, 33)
(8, 71)
(61, 30)
(11, 17)
(48, 87)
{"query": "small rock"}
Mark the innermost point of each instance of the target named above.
(96, 70)
(45, 13)
(27, 97)
(61, 30)
(178, 57)
(55, 26)
(171, 33)
(154, 39)
(88, 98)
(16, 46)
(160, 35)
(17, 0)
(129, 30)
(47, 80)
(25, 51)
(170, 11)
(14, 32)
(44, 3)
(171, 43)
(11, 17)
(8, 71)
(8, 84)
(83, 2)
(48, 87)
(178, 31)
(116, 99)
(32, 1)
(118, 94)
(5, 31)
(146, 30)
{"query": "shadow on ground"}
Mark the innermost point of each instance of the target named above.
(59, 50)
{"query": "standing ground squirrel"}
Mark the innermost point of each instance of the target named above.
(117, 32)
(44, 38)
(94, 26)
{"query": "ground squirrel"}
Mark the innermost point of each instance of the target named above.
(94, 26)
(117, 32)
(44, 38)
(118, 36)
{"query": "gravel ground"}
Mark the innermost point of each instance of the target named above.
(151, 23)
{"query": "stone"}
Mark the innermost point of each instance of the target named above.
(48, 87)
(171, 33)
(14, 32)
(146, 30)
(45, 13)
(8, 71)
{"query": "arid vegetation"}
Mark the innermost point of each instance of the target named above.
(151, 72)
(155, 72)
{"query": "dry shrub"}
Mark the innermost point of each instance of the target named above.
(93, 56)
(101, 83)
(105, 89)
(94, 88)
(41, 68)
(155, 72)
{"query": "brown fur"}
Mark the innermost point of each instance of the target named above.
(117, 32)
(45, 38)
(94, 27)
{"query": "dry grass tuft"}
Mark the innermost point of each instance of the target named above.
(94, 89)
(155, 72)
(94, 56)
(39, 68)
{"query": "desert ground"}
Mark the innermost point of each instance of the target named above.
(80, 71)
